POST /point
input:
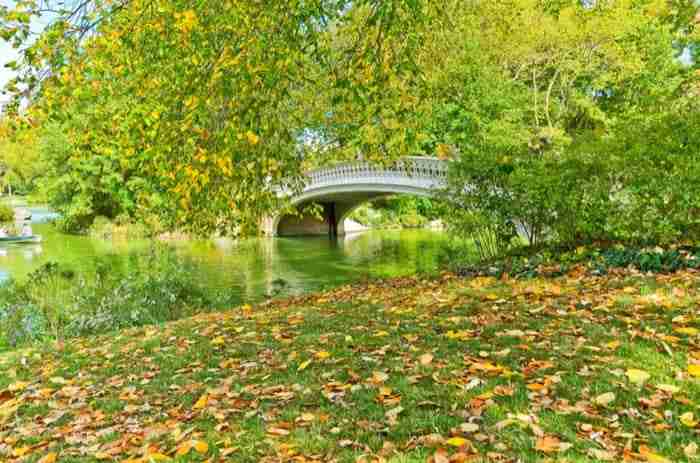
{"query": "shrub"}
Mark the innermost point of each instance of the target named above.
(7, 213)
(121, 227)
(56, 303)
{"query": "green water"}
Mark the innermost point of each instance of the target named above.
(251, 269)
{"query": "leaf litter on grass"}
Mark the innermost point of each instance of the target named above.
(410, 369)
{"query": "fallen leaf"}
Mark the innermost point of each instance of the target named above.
(668, 388)
(469, 427)
(394, 412)
(303, 365)
(200, 446)
(652, 457)
(157, 456)
(691, 450)
(457, 441)
(688, 419)
(602, 455)
(604, 399)
(21, 451)
(687, 330)
(548, 444)
(252, 138)
(50, 457)
(694, 370)
(202, 402)
(425, 359)
(637, 377)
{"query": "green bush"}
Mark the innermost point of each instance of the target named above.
(7, 214)
(55, 303)
(121, 227)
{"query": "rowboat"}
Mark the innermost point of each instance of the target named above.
(21, 239)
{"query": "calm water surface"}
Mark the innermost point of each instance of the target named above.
(249, 269)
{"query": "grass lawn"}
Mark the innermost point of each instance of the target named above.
(574, 369)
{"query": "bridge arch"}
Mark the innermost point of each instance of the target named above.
(342, 188)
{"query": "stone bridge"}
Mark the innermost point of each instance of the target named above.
(340, 189)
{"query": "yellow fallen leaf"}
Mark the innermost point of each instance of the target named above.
(694, 370)
(602, 455)
(184, 448)
(690, 331)
(457, 441)
(17, 386)
(218, 341)
(303, 365)
(637, 377)
(613, 345)
(652, 457)
(48, 458)
(323, 355)
(691, 450)
(604, 399)
(252, 138)
(21, 451)
(200, 446)
(689, 420)
(157, 456)
(202, 402)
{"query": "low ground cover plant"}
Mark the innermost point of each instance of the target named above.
(55, 302)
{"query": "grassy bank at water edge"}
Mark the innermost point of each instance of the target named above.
(576, 368)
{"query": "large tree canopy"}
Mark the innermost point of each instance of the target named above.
(203, 108)
(196, 111)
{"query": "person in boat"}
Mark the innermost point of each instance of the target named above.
(27, 230)
(3, 232)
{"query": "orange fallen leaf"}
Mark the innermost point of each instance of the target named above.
(548, 444)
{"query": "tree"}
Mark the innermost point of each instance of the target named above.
(200, 101)
(21, 164)
(539, 112)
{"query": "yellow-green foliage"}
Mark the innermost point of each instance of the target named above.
(7, 213)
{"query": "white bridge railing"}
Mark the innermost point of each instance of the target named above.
(422, 171)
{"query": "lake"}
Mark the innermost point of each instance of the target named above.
(248, 270)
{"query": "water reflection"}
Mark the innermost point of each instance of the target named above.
(246, 270)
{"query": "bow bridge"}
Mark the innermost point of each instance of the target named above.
(340, 189)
